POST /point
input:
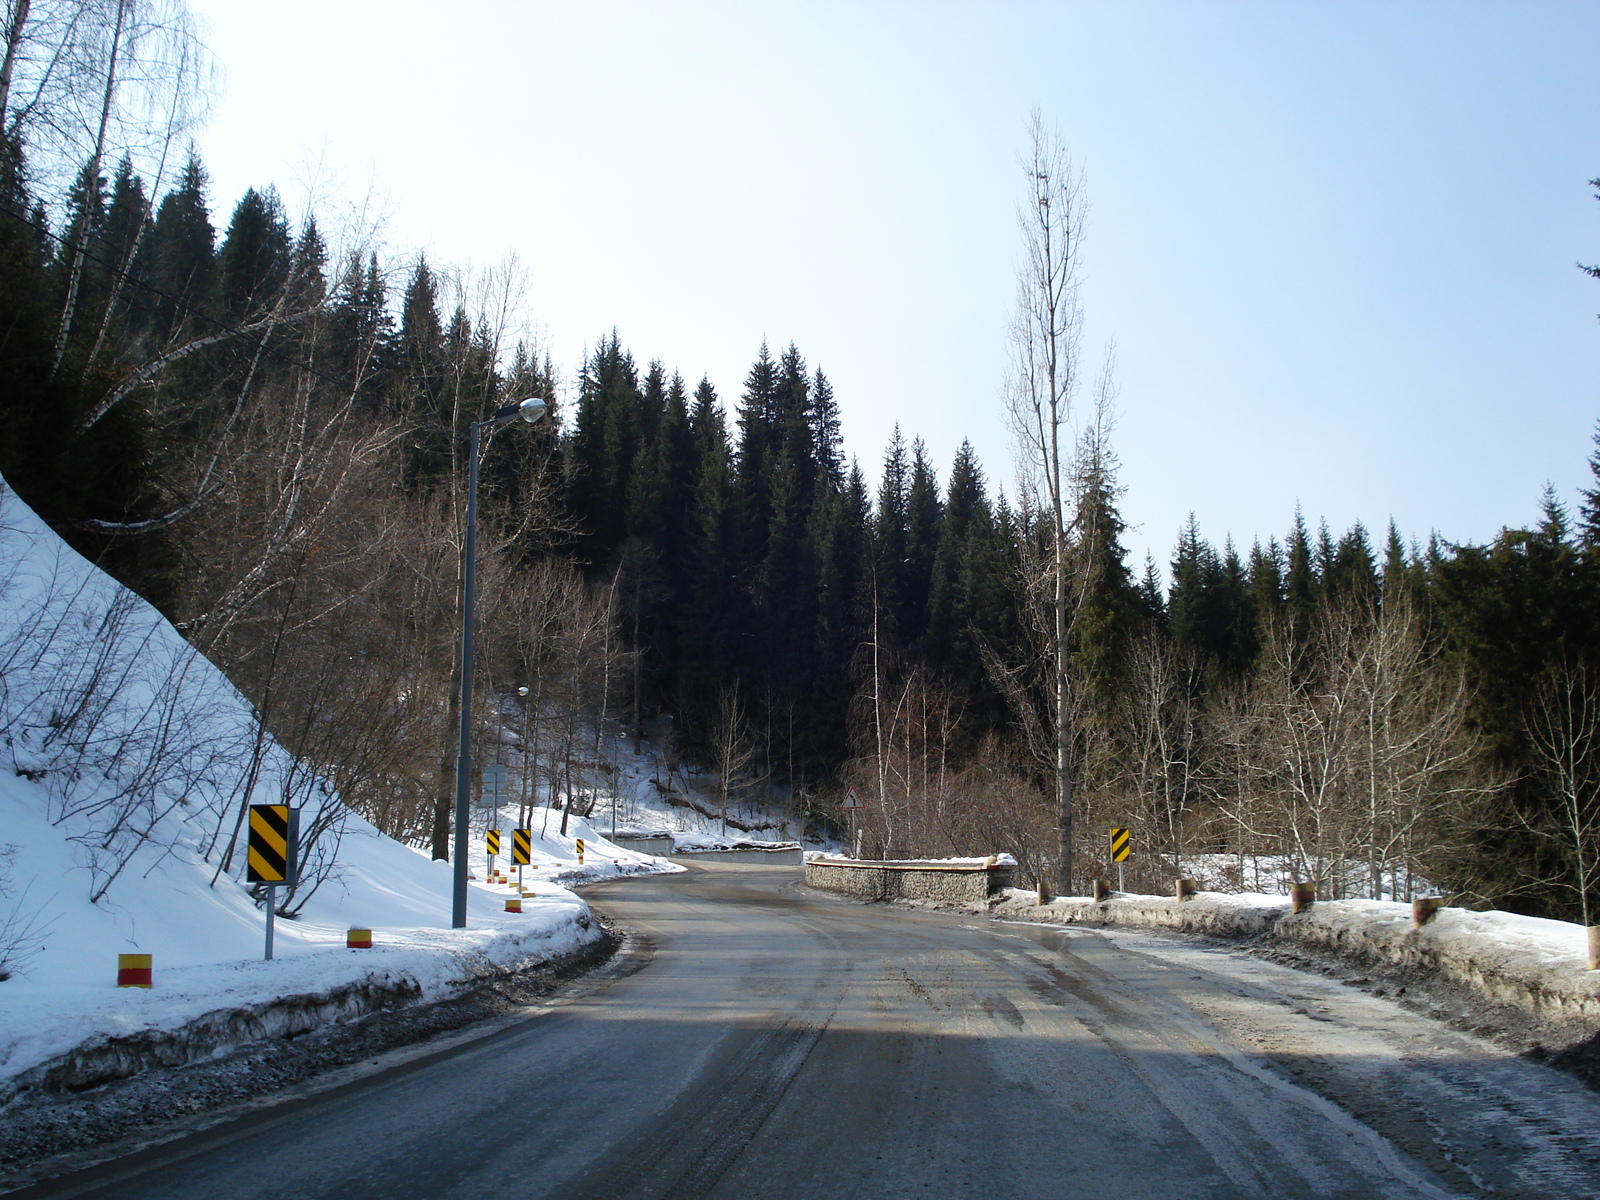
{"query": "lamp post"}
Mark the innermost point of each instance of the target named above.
(530, 411)
(527, 791)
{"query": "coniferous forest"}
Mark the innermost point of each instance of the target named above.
(265, 436)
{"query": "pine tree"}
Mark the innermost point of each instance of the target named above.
(1210, 608)
(760, 434)
(1152, 601)
(839, 540)
(422, 383)
(360, 330)
(1589, 507)
(1404, 580)
(825, 435)
(1352, 574)
(965, 592)
(924, 513)
(1193, 565)
(123, 302)
(890, 536)
(180, 261)
(1108, 602)
(1265, 581)
(662, 487)
(707, 635)
(308, 269)
(1302, 592)
(253, 264)
(606, 441)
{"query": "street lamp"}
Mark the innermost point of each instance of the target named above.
(530, 411)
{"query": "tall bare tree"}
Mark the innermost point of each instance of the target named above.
(1046, 338)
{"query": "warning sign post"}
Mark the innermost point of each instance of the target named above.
(272, 853)
(1121, 851)
(852, 802)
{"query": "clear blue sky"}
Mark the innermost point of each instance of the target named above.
(1334, 242)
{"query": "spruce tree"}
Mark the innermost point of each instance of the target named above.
(707, 635)
(964, 601)
(360, 330)
(1353, 573)
(422, 386)
(890, 535)
(924, 513)
(180, 261)
(1589, 506)
(825, 435)
(1265, 581)
(253, 264)
(1152, 601)
(1302, 592)
(308, 269)
(760, 433)
(1108, 602)
(125, 303)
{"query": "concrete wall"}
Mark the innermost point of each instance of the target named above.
(645, 845)
(962, 883)
(789, 856)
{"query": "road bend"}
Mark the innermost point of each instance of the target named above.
(764, 1040)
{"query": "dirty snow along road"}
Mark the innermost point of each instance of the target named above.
(762, 1040)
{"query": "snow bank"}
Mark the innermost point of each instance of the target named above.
(705, 842)
(1537, 966)
(125, 758)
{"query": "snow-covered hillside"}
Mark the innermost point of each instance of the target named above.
(125, 758)
(641, 793)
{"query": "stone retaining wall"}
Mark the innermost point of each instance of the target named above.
(1492, 954)
(960, 883)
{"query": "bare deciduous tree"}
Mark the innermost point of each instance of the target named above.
(1564, 733)
(1046, 337)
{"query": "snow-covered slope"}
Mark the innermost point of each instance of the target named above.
(125, 758)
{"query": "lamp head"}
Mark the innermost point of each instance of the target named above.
(529, 410)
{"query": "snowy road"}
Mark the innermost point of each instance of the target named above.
(766, 1041)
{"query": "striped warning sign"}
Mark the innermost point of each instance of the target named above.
(522, 846)
(268, 854)
(1121, 849)
(494, 841)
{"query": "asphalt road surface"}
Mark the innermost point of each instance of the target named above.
(762, 1040)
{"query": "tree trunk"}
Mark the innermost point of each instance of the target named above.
(91, 192)
(19, 21)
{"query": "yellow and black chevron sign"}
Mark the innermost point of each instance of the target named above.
(522, 846)
(494, 841)
(268, 854)
(1121, 850)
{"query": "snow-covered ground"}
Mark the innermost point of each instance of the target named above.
(124, 759)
